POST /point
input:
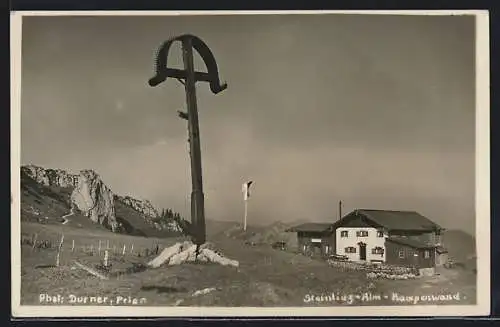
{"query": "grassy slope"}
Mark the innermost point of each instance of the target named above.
(263, 234)
(461, 247)
(215, 227)
(87, 237)
(54, 202)
(49, 204)
(459, 244)
(135, 222)
(266, 277)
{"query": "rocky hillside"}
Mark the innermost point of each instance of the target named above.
(461, 247)
(143, 206)
(84, 200)
(50, 177)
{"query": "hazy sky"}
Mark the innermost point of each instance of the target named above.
(376, 111)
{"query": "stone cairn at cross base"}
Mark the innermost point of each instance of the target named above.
(185, 252)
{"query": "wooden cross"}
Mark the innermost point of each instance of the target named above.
(188, 77)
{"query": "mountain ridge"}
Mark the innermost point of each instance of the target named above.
(60, 196)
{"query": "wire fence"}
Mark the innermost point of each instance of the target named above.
(98, 247)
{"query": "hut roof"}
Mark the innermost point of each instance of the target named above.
(392, 220)
(311, 227)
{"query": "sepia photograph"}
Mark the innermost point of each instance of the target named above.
(250, 164)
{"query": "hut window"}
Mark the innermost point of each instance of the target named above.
(350, 249)
(362, 233)
(344, 233)
(401, 254)
(380, 233)
(427, 254)
(378, 250)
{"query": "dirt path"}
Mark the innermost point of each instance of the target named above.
(64, 218)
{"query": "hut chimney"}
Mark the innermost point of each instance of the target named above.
(340, 210)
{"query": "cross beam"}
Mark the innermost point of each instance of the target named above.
(182, 74)
(190, 77)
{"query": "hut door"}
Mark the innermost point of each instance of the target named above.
(362, 251)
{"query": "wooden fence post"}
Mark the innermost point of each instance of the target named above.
(106, 258)
(34, 241)
(124, 248)
(99, 249)
(59, 251)
(73, 246)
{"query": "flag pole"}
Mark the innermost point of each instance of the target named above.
(246, 195)
(246, 214)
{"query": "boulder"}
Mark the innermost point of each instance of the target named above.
(187, 255)
(165, 255)
(180, 253)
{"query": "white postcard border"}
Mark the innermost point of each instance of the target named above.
(482, 192)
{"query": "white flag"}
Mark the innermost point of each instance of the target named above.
(246, 190)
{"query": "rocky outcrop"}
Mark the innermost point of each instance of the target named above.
(86, 192)
(94, 199)
(50, 177)
(150, 213)
(143, 206)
